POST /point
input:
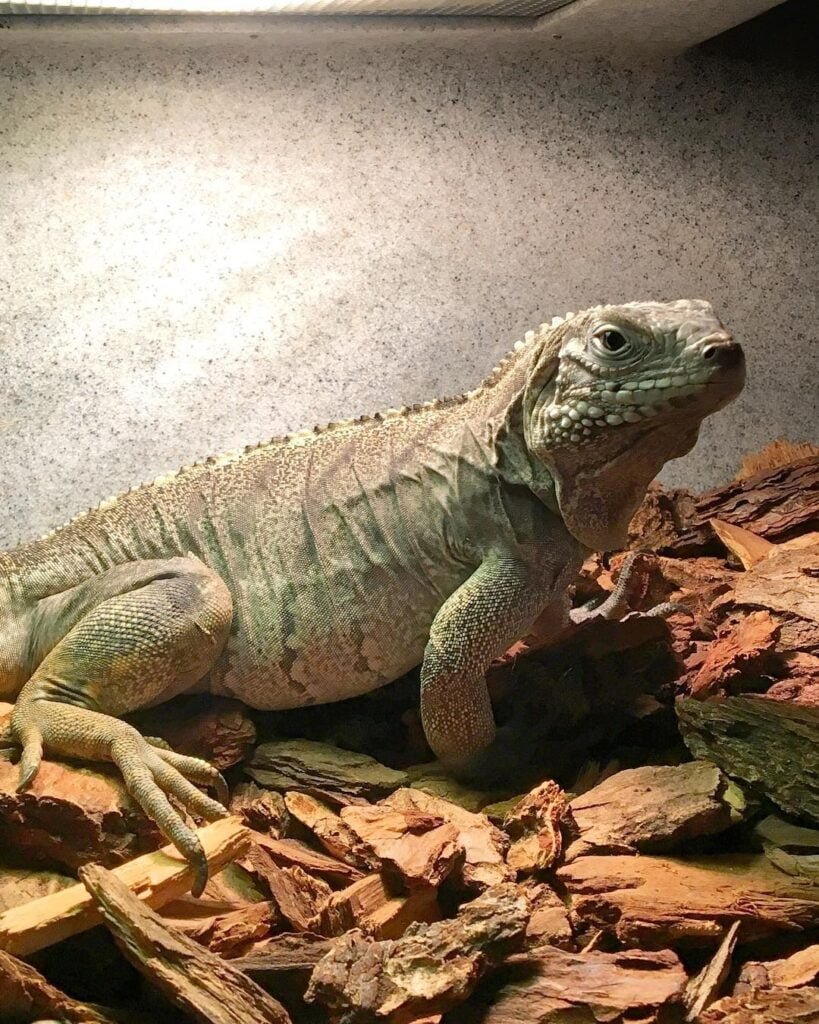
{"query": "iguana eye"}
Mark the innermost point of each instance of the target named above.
(611, 340)
(611, 344)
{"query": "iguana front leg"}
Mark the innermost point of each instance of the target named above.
(491, 610)
(134, 636)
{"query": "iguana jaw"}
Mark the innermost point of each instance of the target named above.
(604, 424)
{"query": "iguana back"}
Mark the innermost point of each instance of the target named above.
(338, 545)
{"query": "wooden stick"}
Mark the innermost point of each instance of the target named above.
(157, 878)
(197, 981)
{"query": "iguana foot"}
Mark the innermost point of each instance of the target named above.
(150, 772)
(136, 635)
(615, 605)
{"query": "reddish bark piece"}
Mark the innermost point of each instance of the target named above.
(774, 1006)
(801, 686)
(775, 504)
(774, 455)
(703, 989)
(791, 972)
(653, 808)
(291, 951)
(261, 809)
(741, 649)
(293, 853)
(550, 986)
(655, 902)
(21, 885)
(429, 970)
(217, 729)
(533, 825)
(749, 548)
(233, 934)
(422, 848)
(191, 913)
(549, 922)
(299, 896)
(195, 980)
(804, 692)
(72, 815)
(25, 995)
(704, 575)
(801, 540)
(484, 845)
(233, 884)
(798, 635)
(802, 667)
(661, 518)
(377, 908)
(282, 964)
(332, 831)
(696, 583)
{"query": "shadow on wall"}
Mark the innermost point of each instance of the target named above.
(785, 35)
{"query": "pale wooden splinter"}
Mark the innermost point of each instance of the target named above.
(156, 878)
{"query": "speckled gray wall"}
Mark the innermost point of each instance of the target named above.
(205, 246)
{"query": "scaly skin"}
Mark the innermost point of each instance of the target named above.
(323, 565)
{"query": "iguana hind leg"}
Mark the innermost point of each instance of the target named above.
(156, 628)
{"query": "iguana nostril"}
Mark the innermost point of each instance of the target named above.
(724, 353)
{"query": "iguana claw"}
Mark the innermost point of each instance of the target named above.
(615, 607)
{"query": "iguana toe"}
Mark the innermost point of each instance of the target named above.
(666, 608)
(615, 606)
(194, 769)
(150, 773)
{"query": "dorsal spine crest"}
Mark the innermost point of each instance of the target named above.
(301, 437)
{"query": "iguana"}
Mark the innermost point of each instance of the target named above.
(330, 562)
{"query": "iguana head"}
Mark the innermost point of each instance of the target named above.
(614, 393)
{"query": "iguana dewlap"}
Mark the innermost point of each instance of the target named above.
(326, 564)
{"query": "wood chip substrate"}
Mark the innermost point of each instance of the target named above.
(654, 857)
